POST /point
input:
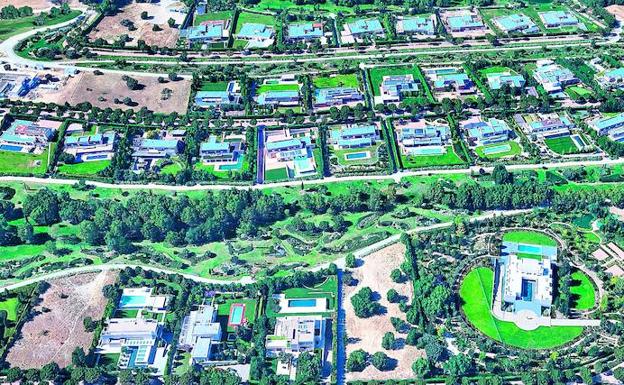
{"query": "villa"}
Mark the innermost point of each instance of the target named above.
(336, 97)
(292, 149)
(278, 92)
(464, 23)
(557, 19)
(497, 80)
(27, 136)
(450, 79)
(135, 339)
(612, 126)
(516, 23)
(356, 136)
(416, 25)
(526, 277)
(87, 148)
(481, 132)
(296, 334)
(209, 31)
(420, 137)
(611, 79)
(230, 96)
(395, 87)
(551, 125)
(146, 151)
(200, 330)
(553, 77)
(365, 27)
(220, 151)
(304, 31)
(257, 35)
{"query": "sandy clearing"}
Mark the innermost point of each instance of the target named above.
(37, 5)
(367, 333)
(617, 11)
(52, 335)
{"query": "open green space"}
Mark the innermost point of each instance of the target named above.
(576, 92)
(255, 18)
(476, 295)
(276, 174)
(450, 158)
(84, 168)
(223, 312)
(562, 145)
(348, 80)
(216, 86)
(529, 237)
(276, 87)
(12, 27)
(345, 157)
(222, 15)
(10, 305)
(377, 74)
(17, 163)
(511, 148)
(582, 290)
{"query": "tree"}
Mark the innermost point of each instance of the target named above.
(500, 175)
(42, 207)
(412, 337)
(173, 76)
(132, 83)
(79, 358)
(393, 296)
(144, 15)
(363, 303)
(171, 22)
(26, 233)
(350, 261)
(356, 362)
(396, 275)
(381, 361)
(49, 371)
(308, 369)
(421, 367)
(458, 365)
(89, 324)
(388, 341)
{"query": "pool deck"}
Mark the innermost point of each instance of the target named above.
(321, 305)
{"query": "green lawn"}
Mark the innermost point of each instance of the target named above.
(349, 80)
(217, 86)
(256, 18)
(9, 28)
(476, 295)
(329, 6)
(223, 311)
(276, 87)
(10, 305)
(529, 237)
(341, 155)
(450, 158)
(583, 292)
(514, 149)
(276, 174)
(223, 15)
(19, 163)
(576, 92)
(562, 145)
(377, 74)
(326, 289)
(84, 168)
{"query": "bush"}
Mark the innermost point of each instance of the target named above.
(388, 341)
(381, 361)
(393, 296)
(363, 303)
(356, 362)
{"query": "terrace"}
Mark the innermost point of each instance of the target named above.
(497, 80)
(416, 25)
(464, 23)
(360, 29)
(558, 19)
(224, 152)
(337, 96)
(147, 152)
(279, 92)
(481, 132)
(516, 23)
(611, 79)
(422, 137)
(200, 330)
(289, 152)
(28, 137)
(450, 80)
(356, 136)
(89, 148)
(296, 334)
(209, 31)
(612, 126)
(544, 126)
(305, 31)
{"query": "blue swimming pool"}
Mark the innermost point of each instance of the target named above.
(529, 249)
(356, 155)
(429, 151)
(9, 147)
(130, 301)
(527, 290)
(233, 167)
(97, 157)
(497, 149)
(302, 302)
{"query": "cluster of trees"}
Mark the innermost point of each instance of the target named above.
(12, 12)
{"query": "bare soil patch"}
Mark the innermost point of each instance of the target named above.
(110, 27)
(37, 5)
(57, 327)
(102, 90)
(617, 11)
(367, 333)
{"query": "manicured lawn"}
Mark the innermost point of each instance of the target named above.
(10, 305)
(563, 145)
(218, 86)
(349, 80)
(341, 155)
(223, 311)
(576, 92)
(476, 295)
(514, 149)
(329, 6)
(19, 163)
(276, 87)
(276, 174)
(126, 313)
(223, 15)
(9, 28)
(583, 292)
(450, 158)
(326, 289)
(256, 18)
(529, 237)
(377, 74)
(84, 168)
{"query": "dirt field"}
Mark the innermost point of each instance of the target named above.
(101, 91)
(53, 335)
(110, 28)
(367, 333)
(617, 11)
(36, 5)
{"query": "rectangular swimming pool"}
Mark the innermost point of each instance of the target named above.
(311, 302)
(529, 249)
(237, 311)
(132, 301)
(496, 149)
(9, 147)
(527, 290)
(356, 155)
(429, 151)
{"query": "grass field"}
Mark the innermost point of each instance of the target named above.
(217, 86)
(10, 305)
(326, 289)
(562, 145)
(223, 312)
(276, 174)
(576, 92)
(529, 237)
(514, 149)
(84, 168)
(329, 6)
(583, 292)
(450, 158)
(9, 28)
(476, 295)
(223, 15)
(20, 164)
(248, 17)
(276, 87)
(377, 73)
(349, 80)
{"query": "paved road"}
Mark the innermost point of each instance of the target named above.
(396, 177)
